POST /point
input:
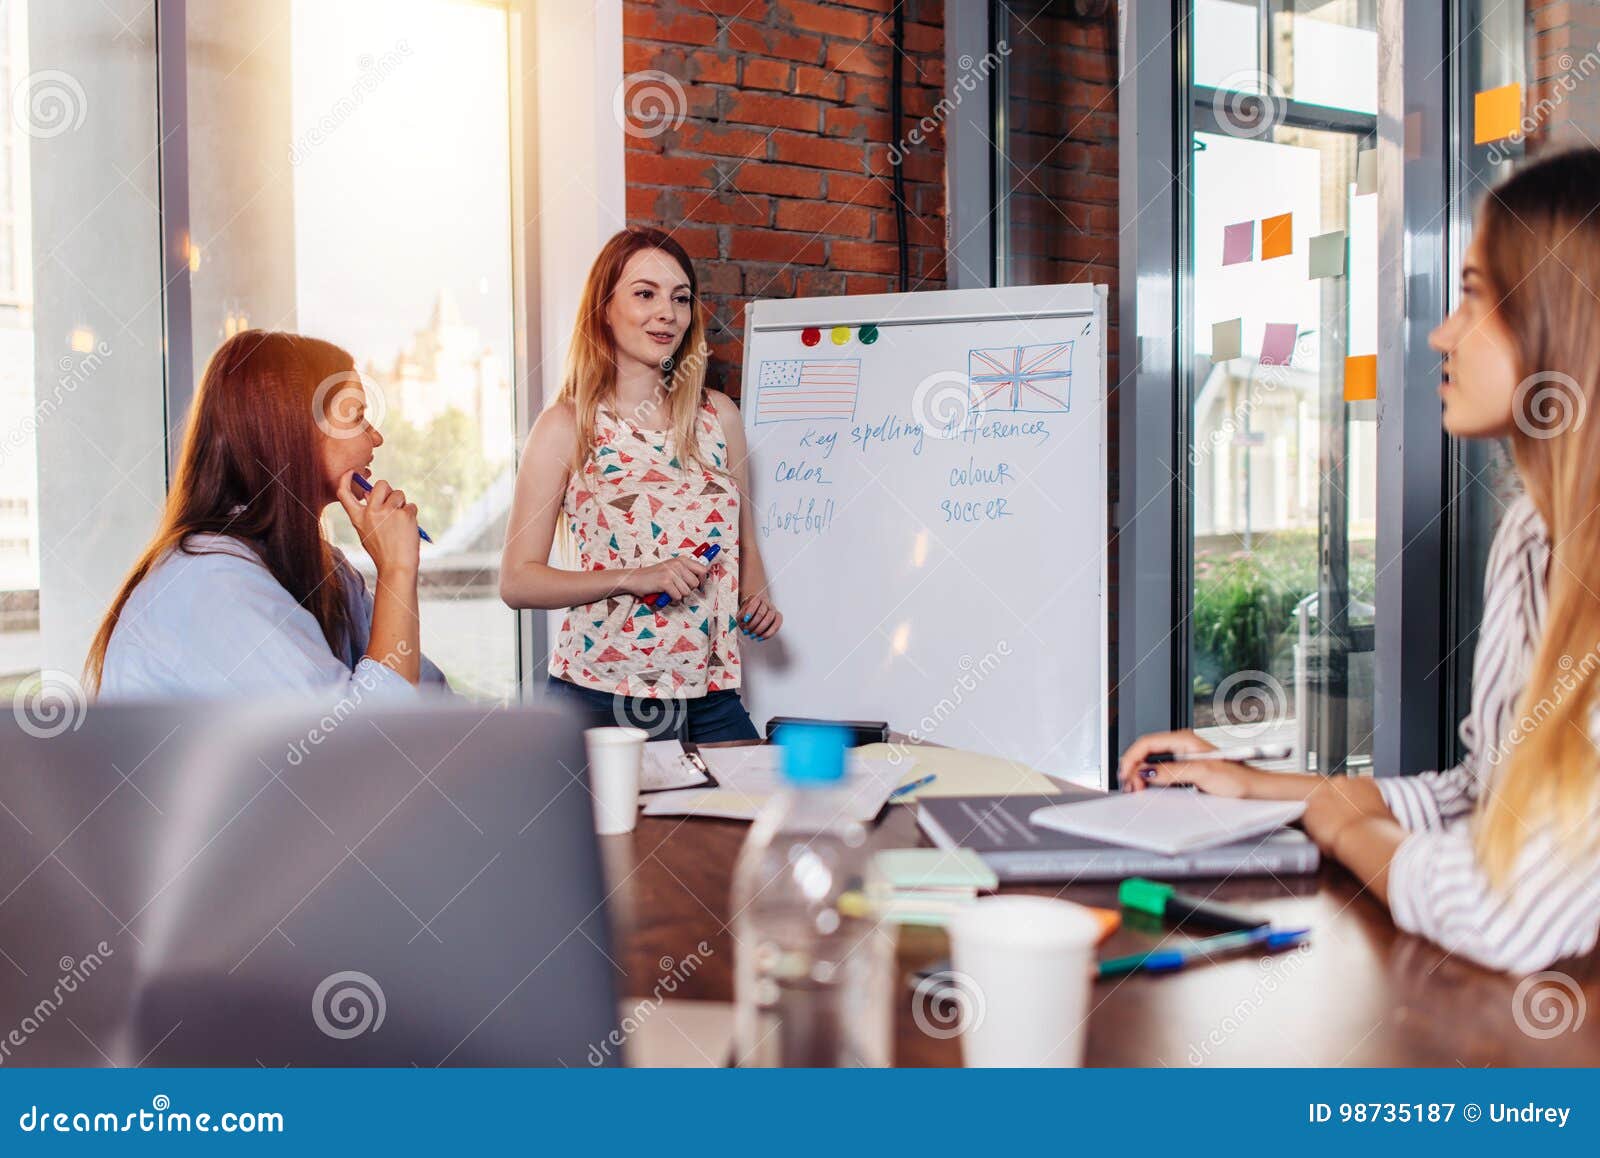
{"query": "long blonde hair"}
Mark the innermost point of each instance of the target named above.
(1539, 233)
(590, 379)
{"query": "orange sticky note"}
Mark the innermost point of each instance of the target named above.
(1276, 240)
(1360, 377)
(1497, 114)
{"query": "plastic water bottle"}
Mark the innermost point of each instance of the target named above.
(813, 968)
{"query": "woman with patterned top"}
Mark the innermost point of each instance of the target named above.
(643, 470)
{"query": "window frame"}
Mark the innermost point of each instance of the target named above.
(544, 42)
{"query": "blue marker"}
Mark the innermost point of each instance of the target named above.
(366, 489)
(706, 551)
(1266, 938)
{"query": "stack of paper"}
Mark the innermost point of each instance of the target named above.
(927, 886)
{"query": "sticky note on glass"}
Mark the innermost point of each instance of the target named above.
(1227, 339)
(1238, 242)
(1497, 114)
(1277, 343)
(1361, 377)
(1275, 236)
(1327, 254)
(1366, 172)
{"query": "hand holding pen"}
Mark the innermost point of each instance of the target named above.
(366, 488)
(1164, 759)
(385, 523)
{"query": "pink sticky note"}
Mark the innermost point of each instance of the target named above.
(1277, 344)
(1238, 242)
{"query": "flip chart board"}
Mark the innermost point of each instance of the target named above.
(930, 502)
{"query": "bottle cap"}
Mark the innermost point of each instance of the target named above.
(813, 753)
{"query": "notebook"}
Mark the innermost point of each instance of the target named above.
(1170, 821)
(667, 766)
(960, 773)
(997, 829)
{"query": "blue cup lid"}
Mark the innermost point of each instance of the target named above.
(813, 753)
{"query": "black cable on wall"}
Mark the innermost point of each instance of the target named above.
(896, 108)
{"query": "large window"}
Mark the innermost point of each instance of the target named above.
(19, 486)
(82, 441)
(1282, 266)
(350, 178)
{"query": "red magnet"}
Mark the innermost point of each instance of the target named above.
(810, 336)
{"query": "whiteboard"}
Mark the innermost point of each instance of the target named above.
(929, 497)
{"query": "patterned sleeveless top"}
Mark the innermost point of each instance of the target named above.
(631, 505)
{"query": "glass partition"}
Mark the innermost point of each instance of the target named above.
(1281, 313)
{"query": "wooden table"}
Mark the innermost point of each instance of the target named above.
(1361, 994)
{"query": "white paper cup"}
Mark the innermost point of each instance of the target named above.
(1023, 964)
(616, 756)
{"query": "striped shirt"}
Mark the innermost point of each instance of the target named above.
(1550, 907)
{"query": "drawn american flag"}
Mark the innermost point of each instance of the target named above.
(1030, 379)
(807, 389)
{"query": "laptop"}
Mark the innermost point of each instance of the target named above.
(288, 884)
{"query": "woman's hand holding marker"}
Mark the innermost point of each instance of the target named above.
(675, 577)
(758, 618)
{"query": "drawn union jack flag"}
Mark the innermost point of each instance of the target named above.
(1026, 379)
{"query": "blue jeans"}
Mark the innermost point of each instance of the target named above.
(698, 719)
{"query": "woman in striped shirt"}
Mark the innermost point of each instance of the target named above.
(1497, 859)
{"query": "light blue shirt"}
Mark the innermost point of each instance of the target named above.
(220, 625)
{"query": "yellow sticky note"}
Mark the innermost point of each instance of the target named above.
(1276, 240)
(1360, 377)
(1497, 114)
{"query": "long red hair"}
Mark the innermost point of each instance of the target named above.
(250, 469)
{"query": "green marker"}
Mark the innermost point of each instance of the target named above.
(1166, 902)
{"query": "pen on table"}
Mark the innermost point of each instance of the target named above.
(366, 488)
(706, 551)
(1166, 902)
(1168, 960)
(913, 786)
(1239, 755)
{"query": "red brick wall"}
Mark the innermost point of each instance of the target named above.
(1062, 120)
(1062, 117)
(777, 181)
(1561, 101)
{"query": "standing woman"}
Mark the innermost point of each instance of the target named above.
(239, 593)
(1497, 859)
(640, 464)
